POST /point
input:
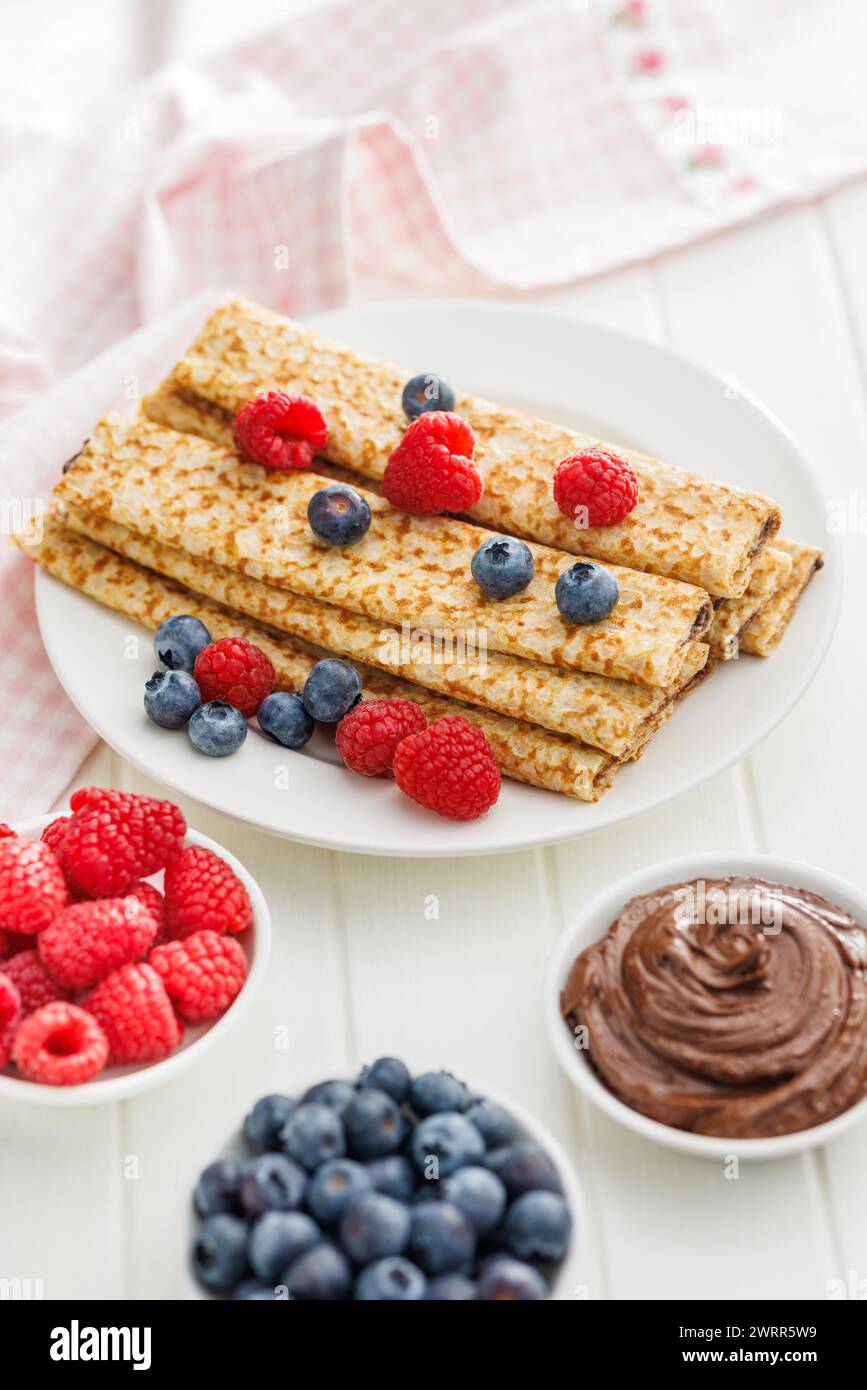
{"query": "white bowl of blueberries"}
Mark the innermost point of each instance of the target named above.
(389, 1188)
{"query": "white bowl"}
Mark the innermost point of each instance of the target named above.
(593, 923)
(566, 1281)
(120, 1083)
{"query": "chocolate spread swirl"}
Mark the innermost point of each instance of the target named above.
(734, 1007)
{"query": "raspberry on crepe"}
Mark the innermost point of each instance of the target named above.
(367, 737)
(595, 488)
(432, 471)
(280, 431)
(449, 768)
(235, 671)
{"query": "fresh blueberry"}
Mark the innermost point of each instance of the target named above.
(276, 1241)
(335, 1094)
(479, 1193)
(263, 1124)
(282, 716)
(392, 1175)
(271, 1182)
(524, 1168)
(495, 1124)
(338, 515)
(334, 1186)
(331, 690)
(387, 1074)
(170, 698)
(586, 593)
(436, 1091)
(312, 1135)
(252, 1291)
(450, 1139)
(220, 1251)
(441, 1238)
(425, 392)
(503, 1278)
(218, 1189)
(217, 729)
(452, 1288)
(502, 566)
(393, 1280)
(374, 1125)
(374, 1226)
(538, 1226)
(178, 641)
(321, 1273)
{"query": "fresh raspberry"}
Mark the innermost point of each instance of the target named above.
(54, 835)
(367, 737)
(136, 1014)
(7, 1037)
(89, 940)
(280, 431)
(235, 671)
(153, 903)
(12, 942)
(33, 982)
(6, 832)
(202, 974)
(449, 767)
(595, 488)
(96, 798)
(10, 1001)
(431, 470)
(32, 886)
(60, 1045)
(10, 1016)
(117, 838)
(204, 894)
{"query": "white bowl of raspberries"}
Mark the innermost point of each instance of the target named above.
(128, 944)
(390, 1187)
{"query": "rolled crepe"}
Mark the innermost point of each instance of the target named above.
(186, 492)
(685, 526)
(613, 715)
(523, 751)
(734, 615)
(767, 630)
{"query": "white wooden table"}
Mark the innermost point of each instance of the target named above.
(358, 969)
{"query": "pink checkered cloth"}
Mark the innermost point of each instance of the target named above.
(468, 146)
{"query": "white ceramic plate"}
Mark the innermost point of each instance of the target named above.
(592, 924)
(566, 1278)
(119, 1083)
(628, 391)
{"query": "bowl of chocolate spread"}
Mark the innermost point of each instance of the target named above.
(718, 1004)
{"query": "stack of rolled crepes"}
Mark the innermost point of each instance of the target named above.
(159, 515)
